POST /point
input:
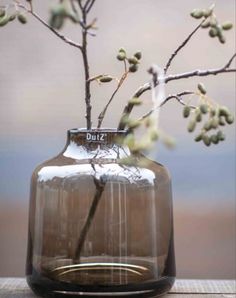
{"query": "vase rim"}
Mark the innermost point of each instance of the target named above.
(93, 130)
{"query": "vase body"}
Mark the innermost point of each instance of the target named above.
(97, 227)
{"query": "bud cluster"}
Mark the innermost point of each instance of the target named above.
(6, 17)
(133, 60)
(215, 28)
(216, 117)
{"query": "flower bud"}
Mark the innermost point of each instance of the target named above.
(220, 135)
(204, 108)
(186, 111)
(12, 17)
(133, 60)
(206, 24)
(202, 88)
(122, 50)
(213, 32)
(198, 138)
(207, 125)
(229, 119)
(197, 13)
(206, 140)
(4, 21)
(207, 12)
(106, 79)
(214, 139)
(198, 116)
(22, 18)
(191, 125)
(2, 12)
(133, 68)
(227, 26)
(222, 39)
(121, 56)
(138, 55)
(214, 123)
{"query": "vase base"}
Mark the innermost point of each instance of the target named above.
(47, 288)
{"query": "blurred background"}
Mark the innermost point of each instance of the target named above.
(41, 96)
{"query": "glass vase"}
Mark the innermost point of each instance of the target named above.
(98, 227)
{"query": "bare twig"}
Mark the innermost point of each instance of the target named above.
(62, 37)
(230, 61)
(89, 5)
(181, 46)
(121, 81)
(199, 73)
(178, 97)
(97, 196)
(195, 73)
(86, 70)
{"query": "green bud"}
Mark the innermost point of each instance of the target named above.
(229, 119)
(207, 12)
(214, 123)
(206, 140)
(198, 116)
(122, 50)
(220, 135)
(186, 111)
(138, 55)
(227, 26)
(59, 10)
(2, 12)
(12, 17)
(213, 32)
(106, 79)
(4, 21)
(206, 24)
(154, 135)
(224, 111)
(133, 68)
(204, 108)
(221, 121)
(198, 138)
(136, 101)
(207, 125)
(213, 22)
(197, 13)
(133, 60)
(214, 139)
(202, 88)
(56, 22)
(212, 112)
(121, 56)
(22, 18)
(222, 39)
(191, 125)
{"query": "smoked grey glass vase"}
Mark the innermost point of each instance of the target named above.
(98, 227)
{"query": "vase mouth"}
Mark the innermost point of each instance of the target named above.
(94, 129)
(95, 136)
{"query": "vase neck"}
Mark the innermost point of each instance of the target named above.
(99, 143)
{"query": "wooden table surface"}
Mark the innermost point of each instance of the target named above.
(17, 287)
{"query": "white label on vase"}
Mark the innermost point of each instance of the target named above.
(96, 137)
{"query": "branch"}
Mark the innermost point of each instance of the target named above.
(102, 114)
(86, 71)
(181, 46)
(62, 37)
(178, 97)
(89, 5)
(200, 73)
(97, 196)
